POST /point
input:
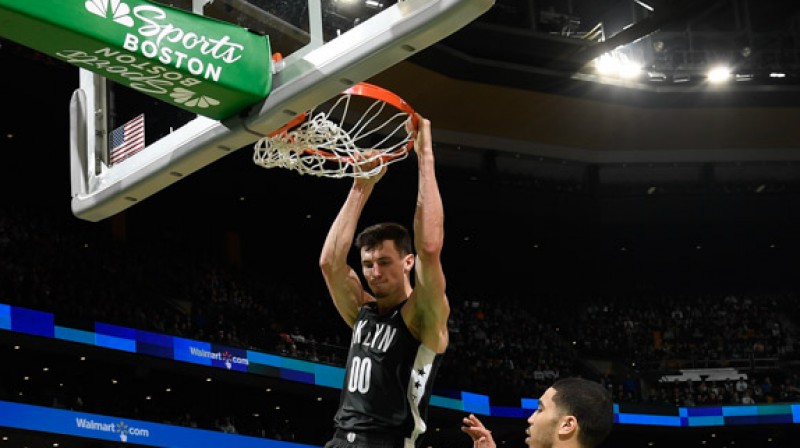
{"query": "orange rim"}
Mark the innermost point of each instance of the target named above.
(370, 91)
(379, 93)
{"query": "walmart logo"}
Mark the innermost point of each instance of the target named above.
(122, 429)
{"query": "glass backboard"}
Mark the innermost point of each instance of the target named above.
(319, 48)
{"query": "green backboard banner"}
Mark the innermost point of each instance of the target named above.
(200, 64)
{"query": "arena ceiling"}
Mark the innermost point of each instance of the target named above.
(515, 82)
(516, 91)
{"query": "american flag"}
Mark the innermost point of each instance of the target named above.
(127, 140)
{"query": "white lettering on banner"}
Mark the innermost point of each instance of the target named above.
(221, 49)
(121, 428)
(168, 56)
(195, 351)
(205, 353)
(97, 426)
(144, 76)
(161, 41)
(139, 432)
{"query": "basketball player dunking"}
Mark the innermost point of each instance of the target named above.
(399, 330)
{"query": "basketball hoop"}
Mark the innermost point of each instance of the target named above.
(356, 134)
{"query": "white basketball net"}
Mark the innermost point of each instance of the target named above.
(326, 146)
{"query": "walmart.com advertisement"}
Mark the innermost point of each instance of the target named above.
(95, 426)
(208, 354)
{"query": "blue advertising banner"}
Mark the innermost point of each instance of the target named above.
(103, 427)
(113, 337)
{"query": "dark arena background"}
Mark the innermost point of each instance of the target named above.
(640, 231)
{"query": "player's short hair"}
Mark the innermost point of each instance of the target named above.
(375, 234)
(590, 403)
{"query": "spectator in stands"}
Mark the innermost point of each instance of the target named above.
(227, 426)
(747, 398)
(741, 385)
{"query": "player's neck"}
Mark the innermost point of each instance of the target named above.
(387, 304)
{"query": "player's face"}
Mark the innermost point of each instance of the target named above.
(385, 269)
(543, 423)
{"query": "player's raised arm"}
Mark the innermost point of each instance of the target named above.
(430, 306)
(342, 281)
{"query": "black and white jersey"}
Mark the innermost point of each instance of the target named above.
(388, 378)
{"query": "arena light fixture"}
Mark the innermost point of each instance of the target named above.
(719, 74)
(617, 64)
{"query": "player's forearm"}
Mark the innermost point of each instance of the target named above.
(340, 235)
(429, 215)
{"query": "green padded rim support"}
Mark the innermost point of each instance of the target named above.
(206, 66)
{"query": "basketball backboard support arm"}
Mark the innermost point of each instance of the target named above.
(307, 77)
(87, 130)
